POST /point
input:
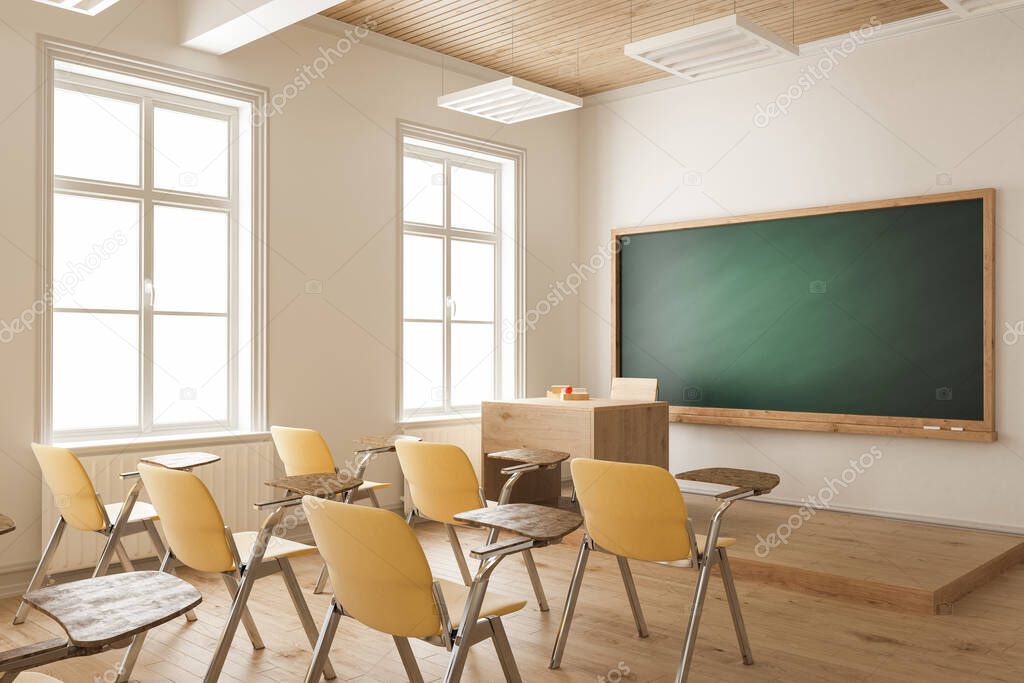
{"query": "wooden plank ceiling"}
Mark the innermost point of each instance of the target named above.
(576, 45)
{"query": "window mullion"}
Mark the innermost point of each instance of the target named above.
(147, 292)
(446, 376)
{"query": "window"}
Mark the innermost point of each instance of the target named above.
(461, 250)
(155, 263)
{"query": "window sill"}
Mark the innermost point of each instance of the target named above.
(163, 442)
(427, 421)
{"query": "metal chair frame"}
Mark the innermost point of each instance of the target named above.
(514, 473)
(113, 531)
(473, 629)
(703, 562)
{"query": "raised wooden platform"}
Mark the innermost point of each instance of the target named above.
(906, 566)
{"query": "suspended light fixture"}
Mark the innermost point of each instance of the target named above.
(713, 48)
(509, 100)
(90, 7)
(973, 8)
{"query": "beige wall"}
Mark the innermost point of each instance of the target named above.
(892, 118)
(332, 203)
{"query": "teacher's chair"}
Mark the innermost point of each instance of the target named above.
(381, 579)
(637, 512)
(80, 507)
(442, 483)
(197, 537)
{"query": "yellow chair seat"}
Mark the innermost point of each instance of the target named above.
(723, 542)
(35, 677)
(371, 485)
(278, 547)
(495, 605)
(140, 511)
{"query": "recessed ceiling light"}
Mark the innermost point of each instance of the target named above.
(90, 7)
(509, 100)
(713, 48)
(973, 8)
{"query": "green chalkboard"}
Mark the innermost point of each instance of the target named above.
(877, 312)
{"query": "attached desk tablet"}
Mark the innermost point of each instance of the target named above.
(600, 428)
(6, 525)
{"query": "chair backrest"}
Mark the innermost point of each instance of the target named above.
(377, 567)
(634, 389)
(636, 511)
(74, 496)
(303, 451)
(192, 523)
(440, 477)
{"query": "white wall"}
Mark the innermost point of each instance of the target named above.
(332, 203)
(893, 116)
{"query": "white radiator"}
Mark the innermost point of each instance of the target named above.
(236, 482)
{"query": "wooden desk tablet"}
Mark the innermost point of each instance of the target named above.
(320, 485)
(600, 428)
(182, 461)
(536, 522)
(6, 525)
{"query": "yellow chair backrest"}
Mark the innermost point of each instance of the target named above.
(632, 510)
(73, 493)
(377, 566)
(193, 526)
(440, 477)
(303, 451)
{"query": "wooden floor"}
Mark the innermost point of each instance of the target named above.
(907, 566)
(796, 637)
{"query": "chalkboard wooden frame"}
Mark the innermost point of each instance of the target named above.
(961, 430)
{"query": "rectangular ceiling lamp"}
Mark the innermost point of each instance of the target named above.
(90, 7)
(974, 8)
(712, 49)
(509, 100)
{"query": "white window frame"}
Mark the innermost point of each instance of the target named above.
(161, 86)
(505, 238)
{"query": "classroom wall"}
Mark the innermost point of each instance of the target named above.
(332, 203)
(935, 111)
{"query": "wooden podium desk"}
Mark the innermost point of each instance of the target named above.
(601, 428)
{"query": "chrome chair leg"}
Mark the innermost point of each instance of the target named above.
(374, 500)
(308, 625)
(122, 555)
(127, 663)
(412, 669)
(39, 577)
(460, 558)
(321, 581)
(238, 609)
(570, 604)
(323, 643)
(504, 651)
(161, 552)
(538, 587)
(247, 621)
(463, 641)
(634, 599)
(699, 594)
(734, 607)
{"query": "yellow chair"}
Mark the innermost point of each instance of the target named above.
(381, 579)
(305, 451)
(197, 537)
(634, 389)
(442, 483)
(80, 507)
(637, 512)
